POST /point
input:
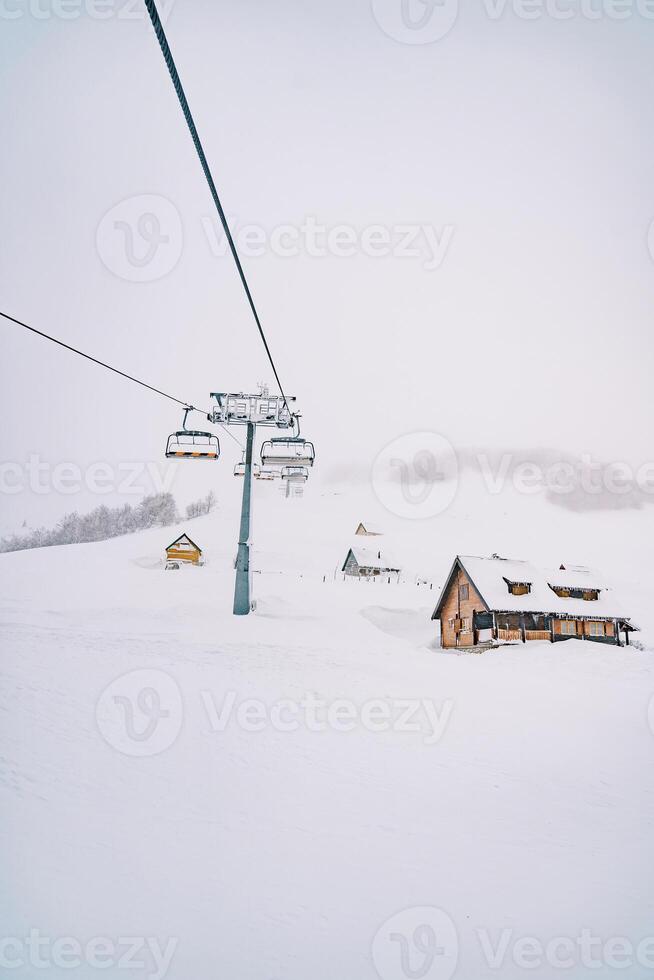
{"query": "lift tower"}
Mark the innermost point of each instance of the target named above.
(262, 409)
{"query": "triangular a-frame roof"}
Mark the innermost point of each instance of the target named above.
(456, 566)
(177, 540)
(370, 528)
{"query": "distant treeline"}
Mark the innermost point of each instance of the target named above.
(157, 510)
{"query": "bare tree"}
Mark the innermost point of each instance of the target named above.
(157, 510)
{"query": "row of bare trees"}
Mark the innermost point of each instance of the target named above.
(156, 510)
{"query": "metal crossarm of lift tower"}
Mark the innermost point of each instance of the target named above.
(261, 409)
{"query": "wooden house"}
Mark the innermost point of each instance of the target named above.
(366, 562)
(490, 600)
(183, 551)
(366, 529)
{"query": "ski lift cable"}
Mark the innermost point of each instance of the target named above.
(172, 68)
(115, 370)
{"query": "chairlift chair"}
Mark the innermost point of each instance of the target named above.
(239, 470)
(191, 443)
(295, 474)
(288, 451)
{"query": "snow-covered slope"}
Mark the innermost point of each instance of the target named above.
(258, 797)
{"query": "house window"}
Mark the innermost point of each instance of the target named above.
(519, 588)
(464, 591)
(465, 624)
(569, 627)
(565, 592)
(596, 629)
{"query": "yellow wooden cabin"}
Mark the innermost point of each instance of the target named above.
(183, 551)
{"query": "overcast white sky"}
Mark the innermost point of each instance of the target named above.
(524, 146)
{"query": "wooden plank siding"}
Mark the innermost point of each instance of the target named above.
(455, 609)
(510, 634)
(189, 555)
(583, 628)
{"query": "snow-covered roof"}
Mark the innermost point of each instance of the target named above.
(369, 557)
(490, 576)
(183, 537)
(577, 577)
(370, 527)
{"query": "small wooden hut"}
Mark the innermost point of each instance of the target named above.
(183, 551)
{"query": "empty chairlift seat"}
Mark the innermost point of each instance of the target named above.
(239, 470)
(292, 451)
(295, 474)
(192, 445)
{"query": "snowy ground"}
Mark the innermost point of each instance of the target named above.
(370, 776)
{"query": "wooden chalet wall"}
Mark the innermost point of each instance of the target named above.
(457, 609)
(583, 628)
